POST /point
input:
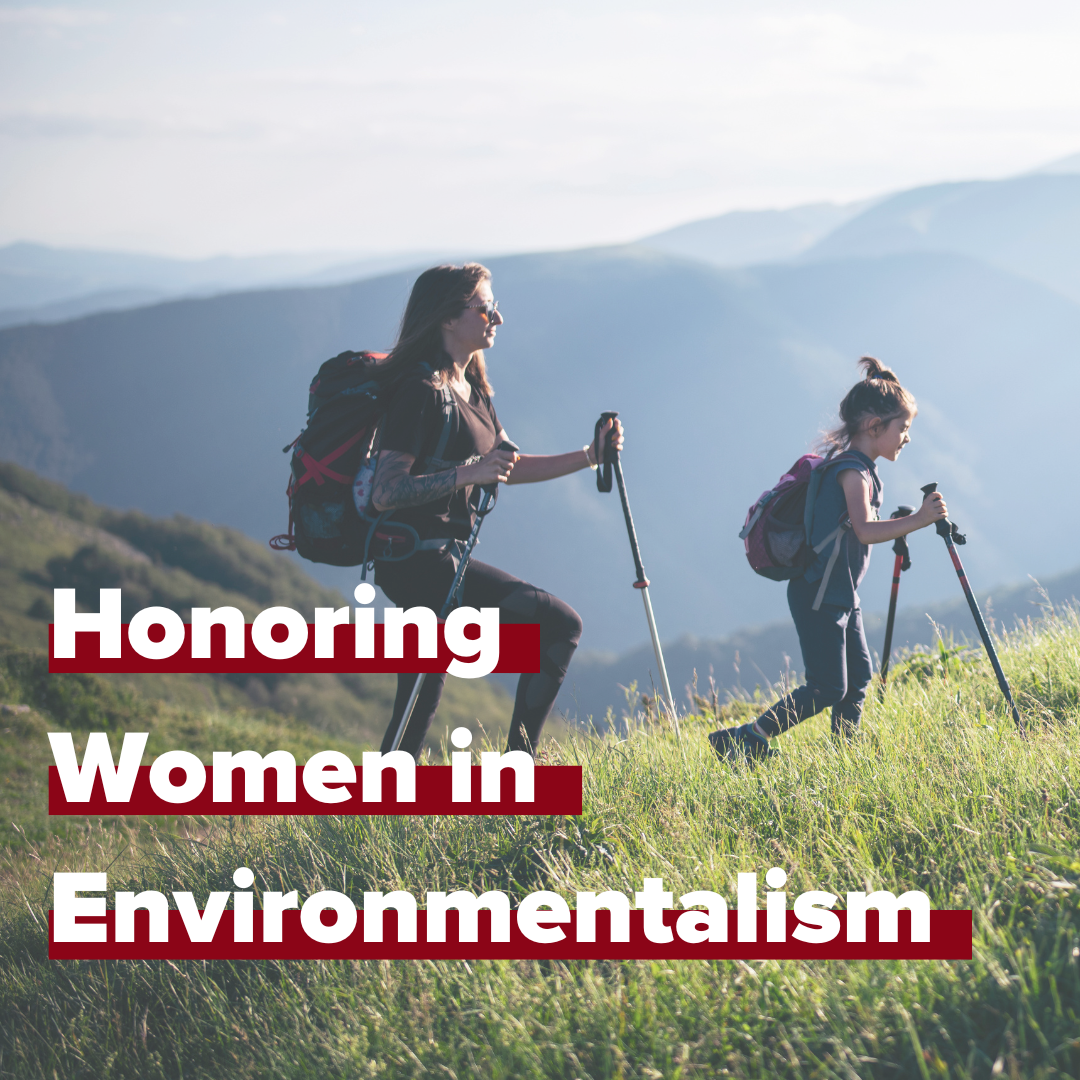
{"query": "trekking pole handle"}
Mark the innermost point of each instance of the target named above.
(946, 529)
(942, 526)
(606, 454)
(900, 544)
(492, 490)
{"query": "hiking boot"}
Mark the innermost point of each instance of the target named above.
(741, 744)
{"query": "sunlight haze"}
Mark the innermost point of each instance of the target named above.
(200, 129)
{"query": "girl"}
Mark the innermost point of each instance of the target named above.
(441, 441)
(876, 417)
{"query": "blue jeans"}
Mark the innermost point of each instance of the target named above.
(837, 662)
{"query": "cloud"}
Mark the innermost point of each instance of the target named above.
(58, 125)
(55, 18)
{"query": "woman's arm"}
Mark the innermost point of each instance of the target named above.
(394, 485)
(867, 531)
(532, 468)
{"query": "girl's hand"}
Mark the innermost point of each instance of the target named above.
(494, 467)
(617, 439)
(933, 509)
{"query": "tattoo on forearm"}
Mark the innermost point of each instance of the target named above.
(394, 487)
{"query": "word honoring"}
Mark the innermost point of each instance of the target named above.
(469, 644)
(462, 925)
(329, 783)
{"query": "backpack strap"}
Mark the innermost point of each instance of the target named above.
(758, 510)
(317, 470)
(816, 479)
(836, 536)
(449, 407)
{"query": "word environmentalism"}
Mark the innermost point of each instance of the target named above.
(470, 644)
(178, 782)
(462, 925)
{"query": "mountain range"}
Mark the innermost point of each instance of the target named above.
(40, 284)
(723, 375)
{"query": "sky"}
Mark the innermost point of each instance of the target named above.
(238, 127)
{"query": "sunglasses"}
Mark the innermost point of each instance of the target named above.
(488, 309)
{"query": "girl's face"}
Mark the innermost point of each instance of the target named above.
(474, 328)
(888, 439)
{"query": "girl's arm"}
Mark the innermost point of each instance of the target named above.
(395, 487)
(868, 531)
(532, 468)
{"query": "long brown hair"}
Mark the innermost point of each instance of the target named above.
(878, 394)
(439, 295)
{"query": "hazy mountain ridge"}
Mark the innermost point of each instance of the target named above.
(1028, 225)
(44, 284)
(723, 378)
(749, 237)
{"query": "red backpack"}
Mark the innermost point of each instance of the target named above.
(333, 466)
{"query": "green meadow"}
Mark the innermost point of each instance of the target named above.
(939, 793)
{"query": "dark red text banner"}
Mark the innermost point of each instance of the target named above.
(950, 939)
(519, 650)
(557, 790)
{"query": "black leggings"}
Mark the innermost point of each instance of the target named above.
(424, 580)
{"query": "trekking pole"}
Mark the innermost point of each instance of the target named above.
(952, 536)
(490, 493)
(903, 562)
(609, 458)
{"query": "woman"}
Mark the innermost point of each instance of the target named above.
(436, 451)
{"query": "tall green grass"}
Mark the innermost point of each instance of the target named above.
(939, 793)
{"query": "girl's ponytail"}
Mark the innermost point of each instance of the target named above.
(879, 394)
(875, 369)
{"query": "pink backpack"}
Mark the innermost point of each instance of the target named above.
(778, 526)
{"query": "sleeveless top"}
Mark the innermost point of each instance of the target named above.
(829, 510)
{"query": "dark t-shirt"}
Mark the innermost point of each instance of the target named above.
(414, 424)
(830, 508)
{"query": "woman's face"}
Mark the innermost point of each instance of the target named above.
(472, 329)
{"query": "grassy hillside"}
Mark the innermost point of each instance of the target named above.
(36, 703)
(52, 538)
(938, 794)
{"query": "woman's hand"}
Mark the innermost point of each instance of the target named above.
(494, 467)
(618, 439)
(870, 531)
(532, 468)
(933, 509)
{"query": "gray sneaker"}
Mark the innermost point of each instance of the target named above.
(742, 744)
